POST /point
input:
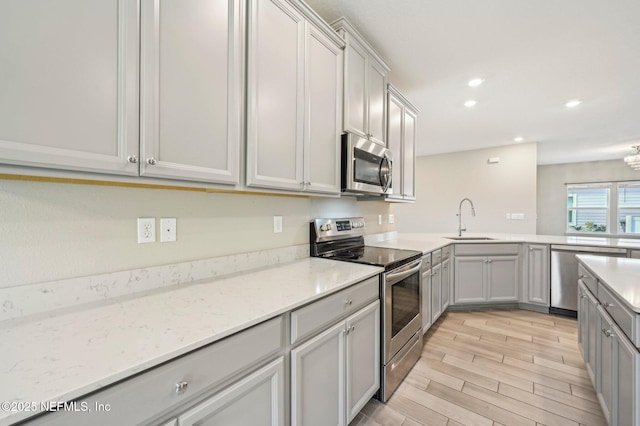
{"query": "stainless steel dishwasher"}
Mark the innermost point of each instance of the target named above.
(564, 275)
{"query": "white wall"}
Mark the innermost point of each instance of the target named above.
(442, 181)
(552, 193)
(51, 231)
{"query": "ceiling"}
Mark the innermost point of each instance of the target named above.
(534, 55)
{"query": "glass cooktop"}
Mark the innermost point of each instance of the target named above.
(378, 256)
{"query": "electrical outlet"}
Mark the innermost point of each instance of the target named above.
(277, 224)
(392, 218)
(168, 229)
(146, 230)
(379, 219)
(517, 216)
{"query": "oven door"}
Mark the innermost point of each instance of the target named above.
(366, 166)
(401, 314)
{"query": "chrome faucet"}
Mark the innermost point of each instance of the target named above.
(473, 213)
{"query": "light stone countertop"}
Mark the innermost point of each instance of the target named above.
(426, 242)
(63, 357)
(620, 274)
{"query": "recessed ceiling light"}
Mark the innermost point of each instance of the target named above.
(470, 103)
(518, 139)
(475, 82)
(573, 103)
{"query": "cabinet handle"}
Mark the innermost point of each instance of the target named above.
(181, 387)
(132, 159)
(608, 305)
(582, 276)
(353, 328)
(608, 333)
(151, 161)
(348, 302)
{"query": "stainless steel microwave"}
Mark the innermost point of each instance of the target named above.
(366, 166)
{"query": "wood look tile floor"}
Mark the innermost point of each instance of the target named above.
(499, 367)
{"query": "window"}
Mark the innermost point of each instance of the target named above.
(629, 208)
(611, 208)
(588, 208)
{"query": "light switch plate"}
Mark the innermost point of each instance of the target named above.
(379, 219)
(277, 224)
(168, 231)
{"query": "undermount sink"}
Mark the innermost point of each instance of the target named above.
(470, 238)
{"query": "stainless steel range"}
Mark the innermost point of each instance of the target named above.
(400, 290)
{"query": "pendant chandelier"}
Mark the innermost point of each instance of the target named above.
(633, 160)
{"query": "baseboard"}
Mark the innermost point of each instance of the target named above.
(498, 305)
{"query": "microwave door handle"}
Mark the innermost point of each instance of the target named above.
(385, 178)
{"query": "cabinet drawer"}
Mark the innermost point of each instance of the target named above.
(446, 252)
(620, 314)
(486, 249)
(588, 279)
(436, 257)
(426, 262)
(142, 397)
(314, 317)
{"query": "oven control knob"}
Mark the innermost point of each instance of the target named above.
(327, 227)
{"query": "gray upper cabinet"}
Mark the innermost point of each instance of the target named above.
(293, 92)
(323, 103)
(191, 89)
(70, 85)
(365, 86)
(401, 140)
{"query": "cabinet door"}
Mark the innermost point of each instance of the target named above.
(69, 86)
(363, 358)
(191, 85)
(317, 379)
(626, 381)
(426, 300)
(275, 95)
(592, 339)
(436, 292)
(255, 400)
(409, 155)
(538, 275)
(446, 281)
(355, 87)
(604, 361)
(583, 321)
(394, 141)
(322, 117)
(469, 282)
(503, 278)
(377, 95)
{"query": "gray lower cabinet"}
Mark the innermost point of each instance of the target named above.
(436, 292)
(256, 400)
(538, 272)
(618, 363)
(426, 293)
(612, 360)
(335, 373)
(480, 279)
(445, 288)
(243, 372)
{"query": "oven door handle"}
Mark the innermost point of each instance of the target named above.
(403, 272)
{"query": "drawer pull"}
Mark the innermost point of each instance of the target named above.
(348, 302)
(608, 305)
(181, 387)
